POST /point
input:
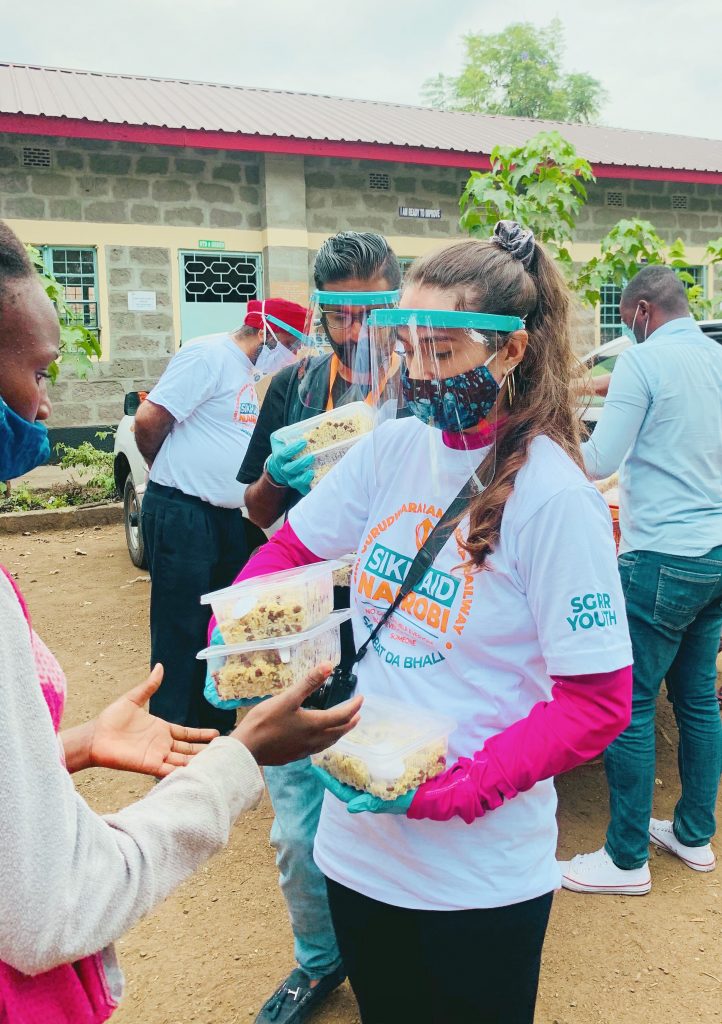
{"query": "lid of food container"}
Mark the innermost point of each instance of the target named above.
(389, 731)
(276, 643)
(298, 574)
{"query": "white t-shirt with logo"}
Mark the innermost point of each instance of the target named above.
(478, 646)
(209, 388)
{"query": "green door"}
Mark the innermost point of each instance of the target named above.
(215, 290)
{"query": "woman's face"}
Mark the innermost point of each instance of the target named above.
(440, 353)
(29, 342)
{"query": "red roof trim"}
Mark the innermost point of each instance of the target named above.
(27, 124)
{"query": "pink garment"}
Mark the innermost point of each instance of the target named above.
(583, 717)
(472, 439)
(75, 993)
(283, 551)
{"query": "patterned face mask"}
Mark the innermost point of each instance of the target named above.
(455, 403)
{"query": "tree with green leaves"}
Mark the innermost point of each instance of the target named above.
(542, 185)
(518, 73)
(78, 345)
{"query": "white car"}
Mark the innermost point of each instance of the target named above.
(131, 478)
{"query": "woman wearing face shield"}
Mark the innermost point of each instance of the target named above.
(440, 898)
(72, 881)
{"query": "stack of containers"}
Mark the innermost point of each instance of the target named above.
(275, 629)
(329, 436)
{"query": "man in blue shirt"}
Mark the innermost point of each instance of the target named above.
(662, 421)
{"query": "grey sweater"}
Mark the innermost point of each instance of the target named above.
(71, 881)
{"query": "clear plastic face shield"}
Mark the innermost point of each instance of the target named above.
(277, 351)
(449, 380)
(338, 327)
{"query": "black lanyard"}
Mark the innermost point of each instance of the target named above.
(342, 683)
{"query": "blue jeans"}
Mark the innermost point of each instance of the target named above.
(674, 607)
(297, 795)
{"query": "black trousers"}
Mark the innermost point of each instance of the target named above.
(192, 548)
(440, 967)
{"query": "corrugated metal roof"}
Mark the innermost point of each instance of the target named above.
(201, 106)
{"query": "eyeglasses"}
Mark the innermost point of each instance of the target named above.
(341, 318)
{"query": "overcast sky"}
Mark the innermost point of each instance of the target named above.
(659, 60)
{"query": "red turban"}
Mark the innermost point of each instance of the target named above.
(290, 312)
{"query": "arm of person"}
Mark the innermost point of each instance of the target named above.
(266, 500)
(188, 380)
(628, 399)
(72, 881)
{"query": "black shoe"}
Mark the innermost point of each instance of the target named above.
(294, 1001)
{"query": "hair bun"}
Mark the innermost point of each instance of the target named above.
(513, 238)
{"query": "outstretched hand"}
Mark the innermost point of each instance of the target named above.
(126, 737)
(279, 730)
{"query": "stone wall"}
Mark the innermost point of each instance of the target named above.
(130, 183)
(339, 195)
(141, 346)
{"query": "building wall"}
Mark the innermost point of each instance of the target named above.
(139, 205)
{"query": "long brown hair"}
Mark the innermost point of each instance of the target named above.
(488, 279)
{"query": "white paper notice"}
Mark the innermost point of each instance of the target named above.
(141, 302)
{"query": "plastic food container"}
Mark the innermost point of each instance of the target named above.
(280, 604)
(265, 667)
(330, 435)
(342, 575)
(394, 748)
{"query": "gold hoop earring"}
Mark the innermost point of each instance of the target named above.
(511, 387)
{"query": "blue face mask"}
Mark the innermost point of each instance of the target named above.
(454, 404)
(23, 445)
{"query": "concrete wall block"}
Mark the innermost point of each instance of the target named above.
(154, 279)
(248, 194)
(701, 205)
(214, 193)
(149, 256)
(109, 163)
(640, 201)
(119, 277)
(32, 208)
(121, 369)
(319, 179)
(69, 160)
(253, 221)
(661, 202)
(87, 186)
(185, 166)
(45, 184)
(227, 219)
(152, 165)
(92, 145)
(653, 187)
(252, 174)
(404, 183)
(130, 188)
(8, 158)
(115, 212)
(66, 209)
(171, 191)
(143, 213)
(111, 412)
(17, 184)
(227, 172)
(131, 345)
(156, 367)
(157, 322)
(710, 222)
(72, 414)
(184, 216)
(318, 199)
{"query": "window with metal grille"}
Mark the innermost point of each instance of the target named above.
(610, 323)
(679, 202)
(76, 270)
(615, 199)
(405, 262)
(34, 156)
(220, 277)
(379, 181)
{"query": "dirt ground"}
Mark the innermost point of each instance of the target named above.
(218, 947)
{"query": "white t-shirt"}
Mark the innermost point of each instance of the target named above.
(209, 388)
(481, 650)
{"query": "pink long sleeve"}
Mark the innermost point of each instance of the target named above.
(583, 717)
(283, 551)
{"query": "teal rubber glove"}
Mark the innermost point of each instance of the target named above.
(209, 690)
(285, 467)
(356, 801)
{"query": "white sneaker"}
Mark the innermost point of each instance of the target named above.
(699, 858)
(597, 872)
